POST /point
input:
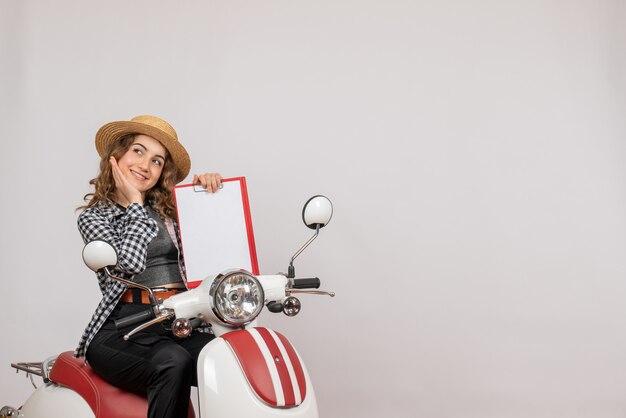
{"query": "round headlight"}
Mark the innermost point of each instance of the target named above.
(236, 297)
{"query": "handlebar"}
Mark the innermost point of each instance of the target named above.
(306, 283)
(134, 319)
(196, 323)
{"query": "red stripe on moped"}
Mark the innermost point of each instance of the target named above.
(252, 364)
(270, 365)
(295, 362)
(281, 367)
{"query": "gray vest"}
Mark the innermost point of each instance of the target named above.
(162, 260)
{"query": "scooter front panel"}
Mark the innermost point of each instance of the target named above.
(270, 365)
(225, 392)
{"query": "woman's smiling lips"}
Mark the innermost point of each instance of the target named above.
(139, 176)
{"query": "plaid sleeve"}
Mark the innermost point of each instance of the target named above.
(129, 235)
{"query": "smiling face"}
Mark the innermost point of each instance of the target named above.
(142, 164)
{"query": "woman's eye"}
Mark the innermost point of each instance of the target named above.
(137, 151)
(157, 163)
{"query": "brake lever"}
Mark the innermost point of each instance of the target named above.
(311, 292)
(160, 318)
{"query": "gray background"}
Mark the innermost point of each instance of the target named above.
(474, 152)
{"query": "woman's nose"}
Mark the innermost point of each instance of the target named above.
(143, 164)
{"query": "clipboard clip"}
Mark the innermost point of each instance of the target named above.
(199, 188)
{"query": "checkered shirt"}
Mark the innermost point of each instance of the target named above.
(129, 231)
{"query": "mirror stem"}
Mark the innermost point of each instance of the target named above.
(133, 284)
(291, 273)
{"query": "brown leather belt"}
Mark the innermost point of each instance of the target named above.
(142, 297)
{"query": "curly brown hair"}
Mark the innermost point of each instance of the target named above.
(160, 197)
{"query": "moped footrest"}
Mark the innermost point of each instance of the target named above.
(270, 364)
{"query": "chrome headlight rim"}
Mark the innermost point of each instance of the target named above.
(219, 279)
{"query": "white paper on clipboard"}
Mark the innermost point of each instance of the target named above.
(215, 229)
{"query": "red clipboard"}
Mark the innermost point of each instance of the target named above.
(215, 229)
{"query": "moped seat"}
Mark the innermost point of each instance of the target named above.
(104, 399)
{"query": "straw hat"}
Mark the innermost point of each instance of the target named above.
(147, 125)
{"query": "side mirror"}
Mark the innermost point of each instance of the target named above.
(317, 212)
(99, 254)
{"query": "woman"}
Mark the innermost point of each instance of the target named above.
(132, 208)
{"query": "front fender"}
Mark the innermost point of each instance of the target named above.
(226, 391)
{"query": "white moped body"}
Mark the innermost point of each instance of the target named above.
(240, 374)
(56, 401)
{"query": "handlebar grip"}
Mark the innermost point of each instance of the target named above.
(196, 323)
(133, 319)
(306, 283)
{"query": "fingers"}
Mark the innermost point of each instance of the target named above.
(209, 181)
(199, 179)
(216, 181)
(120, 180)
(123, 186)
(115, 169)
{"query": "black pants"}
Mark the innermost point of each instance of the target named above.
(152, 363)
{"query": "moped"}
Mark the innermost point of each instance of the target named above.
(245, 372)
